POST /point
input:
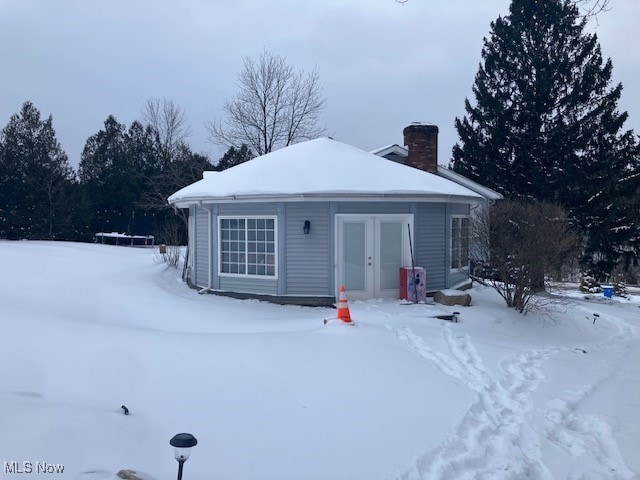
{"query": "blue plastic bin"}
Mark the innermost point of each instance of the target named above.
(607, 290)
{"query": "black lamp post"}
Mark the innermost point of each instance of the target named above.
(182, 443)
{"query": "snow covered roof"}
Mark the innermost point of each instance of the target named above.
(395, 149)
(321, 169)
(470, 184)
(443, 171)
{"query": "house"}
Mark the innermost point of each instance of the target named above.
(293, 225)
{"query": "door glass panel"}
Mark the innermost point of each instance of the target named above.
(354, 271)
(390, 254)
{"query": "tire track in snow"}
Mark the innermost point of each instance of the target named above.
(493, 439)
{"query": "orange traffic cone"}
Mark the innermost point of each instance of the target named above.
(343, 307)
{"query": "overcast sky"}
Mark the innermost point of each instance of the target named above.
(382, 64)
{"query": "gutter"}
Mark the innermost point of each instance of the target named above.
(334, 197)
(199, 204)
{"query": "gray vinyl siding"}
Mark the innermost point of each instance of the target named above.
(394, 157)
(374, 207)
(431, 243)
(263, 286)
(247, 209)
(306, 262)
(249, 285)
(456, 278)
(202, 247)
(307, 266)
(459, 208)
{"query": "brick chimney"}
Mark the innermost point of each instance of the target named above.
(422, 142)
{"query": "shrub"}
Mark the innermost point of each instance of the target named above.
(524, 242)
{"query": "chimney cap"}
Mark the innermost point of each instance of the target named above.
(421, 127)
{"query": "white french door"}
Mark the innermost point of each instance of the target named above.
(370, 249)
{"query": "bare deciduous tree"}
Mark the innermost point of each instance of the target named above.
(184, 168)
(177, 166)
(170, 122)
(274, 107)
(525, 243)
(589, 8)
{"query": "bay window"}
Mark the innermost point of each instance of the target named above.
(247, 246)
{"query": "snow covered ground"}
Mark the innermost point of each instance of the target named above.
(272, 393)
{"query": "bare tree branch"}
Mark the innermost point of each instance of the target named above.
(589, 8)
(521, 244)
(273, 108)
(170, 122)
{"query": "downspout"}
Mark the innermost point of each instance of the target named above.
(210, 231)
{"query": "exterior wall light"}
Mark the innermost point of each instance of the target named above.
(307, 227)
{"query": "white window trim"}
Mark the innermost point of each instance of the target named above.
(275, 246)
(466, 267)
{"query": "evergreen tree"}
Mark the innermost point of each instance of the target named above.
(114, 167)
(102, 166)
(545, 123)
(234, 156)
(36, 181)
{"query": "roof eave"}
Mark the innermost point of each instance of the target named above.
(472, 185)
(333, 197)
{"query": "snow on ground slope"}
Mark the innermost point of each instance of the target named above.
(272, 393)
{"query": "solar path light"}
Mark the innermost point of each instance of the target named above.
(182, 443)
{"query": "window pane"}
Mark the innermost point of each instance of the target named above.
(390, 254)
(459, 242)
(354, 256)
(244, 244)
